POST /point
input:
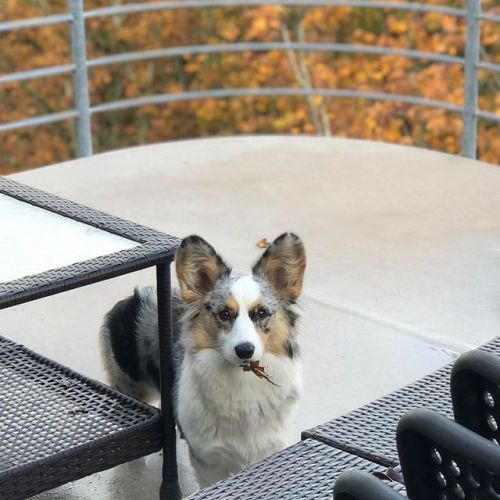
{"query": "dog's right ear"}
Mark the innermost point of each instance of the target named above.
(198, 267)
(283, 265)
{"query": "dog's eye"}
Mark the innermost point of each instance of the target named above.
(224, 315)
(262, 313)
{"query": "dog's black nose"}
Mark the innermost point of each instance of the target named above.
(244, 350)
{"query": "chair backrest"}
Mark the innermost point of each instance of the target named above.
(442, 460)
(475, 392)
(359, 485)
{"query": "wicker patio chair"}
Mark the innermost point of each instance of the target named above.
(475, 391)
(440, 459)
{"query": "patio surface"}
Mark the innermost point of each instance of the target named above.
(403, 261)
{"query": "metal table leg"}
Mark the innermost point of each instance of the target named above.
(170, 489)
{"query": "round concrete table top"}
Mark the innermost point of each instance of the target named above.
(403, 249)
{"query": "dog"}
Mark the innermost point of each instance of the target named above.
(238, 369)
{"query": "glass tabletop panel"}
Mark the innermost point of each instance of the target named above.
(34, 240)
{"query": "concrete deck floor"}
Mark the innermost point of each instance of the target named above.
(403, 271)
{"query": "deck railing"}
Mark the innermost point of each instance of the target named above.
(83, 109)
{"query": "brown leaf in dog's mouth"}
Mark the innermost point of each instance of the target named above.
(258, 370)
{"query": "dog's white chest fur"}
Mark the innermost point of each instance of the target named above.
(233, 418)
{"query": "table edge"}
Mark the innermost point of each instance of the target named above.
(154, 248)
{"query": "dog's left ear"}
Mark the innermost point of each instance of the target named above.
(283, 265)
(198, 267)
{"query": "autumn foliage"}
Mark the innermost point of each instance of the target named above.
(356, 118)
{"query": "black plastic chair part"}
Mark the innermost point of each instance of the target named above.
(475, 391)
(359, 485)
(442, 460)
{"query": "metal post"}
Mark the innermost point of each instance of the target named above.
(472, 45)
(170, 489)
(80, 79)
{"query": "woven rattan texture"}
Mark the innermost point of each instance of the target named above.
(57, 426)
(370, 431)
(155, 247)
(305, 471)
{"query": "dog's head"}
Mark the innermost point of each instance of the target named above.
(241, 317)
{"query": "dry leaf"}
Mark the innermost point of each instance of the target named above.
(263, 243)
(258, 370)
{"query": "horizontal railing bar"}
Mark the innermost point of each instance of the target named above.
(284, 92)
(270, 92)
(245, 92)
(37, 73)
(38, 120)
(488, 115)
(34, 22)
(490, 66)
(257, 46)
(490, 17)
(183, 4)
(240, 47)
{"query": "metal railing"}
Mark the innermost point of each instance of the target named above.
(83, 111)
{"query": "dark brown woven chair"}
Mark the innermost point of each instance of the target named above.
(442, 459)
(475, 391)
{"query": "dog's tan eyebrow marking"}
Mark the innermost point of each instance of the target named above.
(232, 305)
(255, 305)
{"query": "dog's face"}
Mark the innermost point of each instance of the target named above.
(241, 318)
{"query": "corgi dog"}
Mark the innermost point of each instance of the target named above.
(238, 369)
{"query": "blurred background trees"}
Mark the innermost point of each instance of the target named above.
(355, 118)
